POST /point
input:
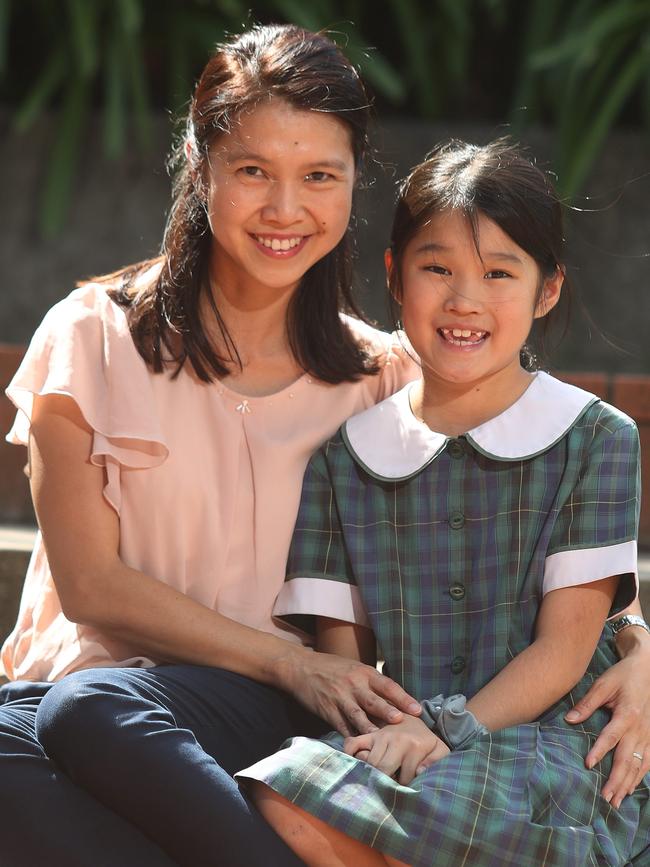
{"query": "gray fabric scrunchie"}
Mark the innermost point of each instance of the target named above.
(449, 719)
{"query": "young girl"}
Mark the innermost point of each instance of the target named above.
(482, 522)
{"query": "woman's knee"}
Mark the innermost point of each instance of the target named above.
(89, 714)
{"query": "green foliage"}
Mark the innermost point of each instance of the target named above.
(599, 59)
(580, 66)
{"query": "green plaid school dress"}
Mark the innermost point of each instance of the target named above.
(446, 546)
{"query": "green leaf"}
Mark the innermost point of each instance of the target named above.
(542, 15)
(587, 97)
(593, 138)
(234, 9)
(498, 11)
(139, 93)
(51, 78)
(64, 158)
(130, 15)
(414, 35)
(179, 66)
(299, 12)
(582, 46)
(456, 24)
(378, 71)
(5, 18)
(83, 32)
(645, 95)
(202, 32)
(115, 106)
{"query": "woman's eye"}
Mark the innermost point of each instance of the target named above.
(252, 171)
(319, 177)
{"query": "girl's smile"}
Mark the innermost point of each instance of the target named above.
(468, 303)
(463, 337)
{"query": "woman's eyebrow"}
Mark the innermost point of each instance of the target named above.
(237, 154)
(338, 165)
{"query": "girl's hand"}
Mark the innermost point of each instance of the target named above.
(625, 690)
(346, 692)
(402, 751)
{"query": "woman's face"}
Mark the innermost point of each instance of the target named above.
(279, 194)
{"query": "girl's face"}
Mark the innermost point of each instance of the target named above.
(279, 195)
(468, 312)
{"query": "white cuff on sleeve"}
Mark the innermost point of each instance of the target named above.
(583, 565)
(322, 597)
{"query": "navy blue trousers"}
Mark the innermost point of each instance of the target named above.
(123, 767)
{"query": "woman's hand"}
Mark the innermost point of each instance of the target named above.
(402, 751)
(625, 690)
(346, 692)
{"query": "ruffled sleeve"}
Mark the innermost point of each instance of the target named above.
(398, 361)
(83, 349)
(400, 365)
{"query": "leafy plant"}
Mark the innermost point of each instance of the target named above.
(579, 66)
(596, 60)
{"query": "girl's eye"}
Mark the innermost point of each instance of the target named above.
(437, 269)
(496, 275)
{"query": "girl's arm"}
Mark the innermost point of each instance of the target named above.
(81, 536)
(569, 624)
(346, 639)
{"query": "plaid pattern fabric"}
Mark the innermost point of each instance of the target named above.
(450, 566)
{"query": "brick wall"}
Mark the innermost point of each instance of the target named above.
(630, 393)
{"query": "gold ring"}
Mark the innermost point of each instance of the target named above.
(638, 756)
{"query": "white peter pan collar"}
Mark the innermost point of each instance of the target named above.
(391, 443)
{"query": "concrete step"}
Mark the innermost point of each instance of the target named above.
(16, 546)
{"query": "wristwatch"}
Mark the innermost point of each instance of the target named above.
(626, 620)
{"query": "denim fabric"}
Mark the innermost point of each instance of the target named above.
(121, 757)
(45, 819)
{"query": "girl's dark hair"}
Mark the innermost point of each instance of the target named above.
(498, 181)
(308, 71)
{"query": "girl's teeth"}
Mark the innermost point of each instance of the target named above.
(459, 336)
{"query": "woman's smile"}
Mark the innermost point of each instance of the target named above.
(279, 192)
(280, 246)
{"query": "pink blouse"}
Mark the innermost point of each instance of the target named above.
(206, 482)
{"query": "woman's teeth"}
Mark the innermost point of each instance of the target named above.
(277, 244)
(462, 336)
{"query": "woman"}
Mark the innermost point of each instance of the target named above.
(170, 411)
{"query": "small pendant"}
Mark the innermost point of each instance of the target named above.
(243, 407)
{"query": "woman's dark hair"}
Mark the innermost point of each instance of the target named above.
(309, 72)
(498, 181)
